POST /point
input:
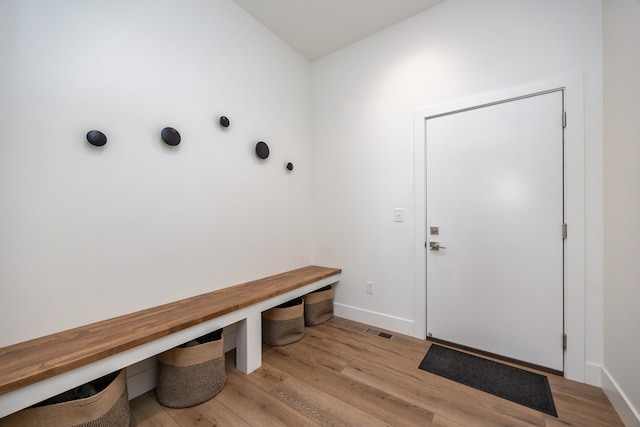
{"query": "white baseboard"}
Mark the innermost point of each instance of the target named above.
(230, 340)
(629, 415)
(141, 377)
(139, 380)
(392, 323)
(593, 374)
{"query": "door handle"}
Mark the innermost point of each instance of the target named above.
(435, 246)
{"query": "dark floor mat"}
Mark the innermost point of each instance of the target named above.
(514, 384)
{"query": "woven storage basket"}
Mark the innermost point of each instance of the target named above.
(108, 408)
(318, 306)
(283, 324)
(191, 375)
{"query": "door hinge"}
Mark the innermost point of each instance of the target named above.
(564, 341)
(564, 230)
(564, 119)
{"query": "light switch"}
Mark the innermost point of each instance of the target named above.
(398, 214)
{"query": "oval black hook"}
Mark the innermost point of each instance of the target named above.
(262, 150)
(96, 138)
(224, 121)
(290, 166)
(170, 136)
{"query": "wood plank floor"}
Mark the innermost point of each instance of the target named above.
(338, 375)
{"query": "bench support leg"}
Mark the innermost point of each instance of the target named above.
(249, 343)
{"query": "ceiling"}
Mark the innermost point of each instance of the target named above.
(316, 28)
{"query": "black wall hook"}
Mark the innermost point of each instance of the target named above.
(262, 150)
(96, 138)
(290, 166)
(224, 121)
(170, 136)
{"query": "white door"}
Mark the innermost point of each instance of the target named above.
(495, 194)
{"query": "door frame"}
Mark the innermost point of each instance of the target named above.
(574, 193)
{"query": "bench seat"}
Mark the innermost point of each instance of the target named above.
(118, 341)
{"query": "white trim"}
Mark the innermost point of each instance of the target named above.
(629, 415)
(143, 381)
(392, 323)
(593, 374)
(575, 247)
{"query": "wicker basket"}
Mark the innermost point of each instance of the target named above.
(283, 324)
(108, 408)
(318, 306)
(191, 374)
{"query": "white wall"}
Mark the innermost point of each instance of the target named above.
(621, 377)
(364, 98)
(86, 233)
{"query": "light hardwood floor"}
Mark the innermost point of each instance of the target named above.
(338, 375)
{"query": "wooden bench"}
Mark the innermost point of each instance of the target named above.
(34, 370)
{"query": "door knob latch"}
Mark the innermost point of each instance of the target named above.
(435, 246)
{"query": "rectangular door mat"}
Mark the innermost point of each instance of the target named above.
(514, 384)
